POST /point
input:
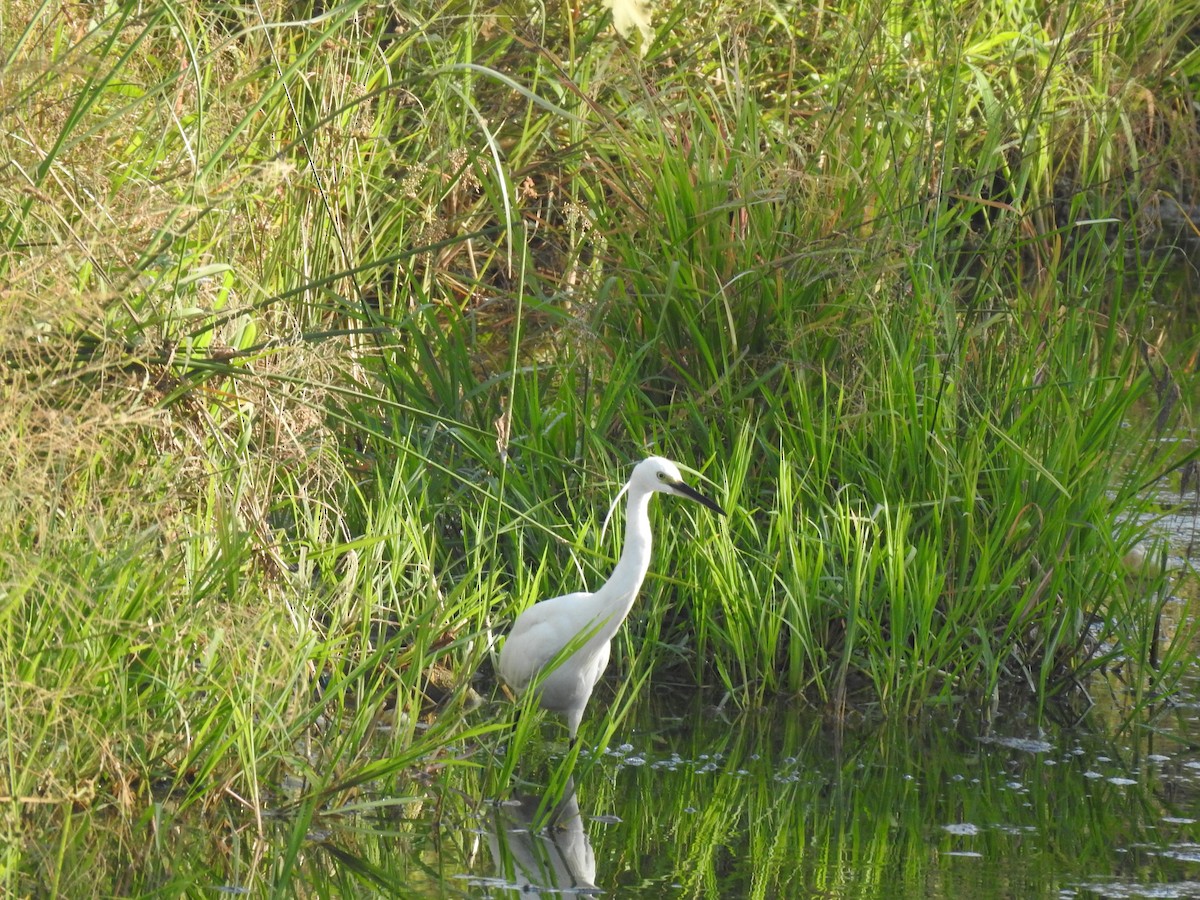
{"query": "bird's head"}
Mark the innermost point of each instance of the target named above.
(658, 474)
(655, 473)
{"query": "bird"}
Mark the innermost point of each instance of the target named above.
(586, 620)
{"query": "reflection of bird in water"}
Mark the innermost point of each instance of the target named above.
(556, 858)
(544, 630)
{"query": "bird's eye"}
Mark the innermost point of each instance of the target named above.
(662, 476)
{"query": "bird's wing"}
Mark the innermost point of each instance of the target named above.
(537, 636)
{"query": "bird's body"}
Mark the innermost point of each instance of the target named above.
(589, 620)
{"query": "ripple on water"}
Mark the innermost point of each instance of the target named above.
(1122, 890)
(1026, 745)
(962, 828)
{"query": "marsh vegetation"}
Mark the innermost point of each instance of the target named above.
(327, 331)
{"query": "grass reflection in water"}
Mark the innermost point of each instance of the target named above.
(779, 803)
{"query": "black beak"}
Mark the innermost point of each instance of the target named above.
(687, 490)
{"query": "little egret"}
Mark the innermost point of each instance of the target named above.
(590, 619)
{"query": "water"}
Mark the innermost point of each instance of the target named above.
(780, 803)
(697, 802)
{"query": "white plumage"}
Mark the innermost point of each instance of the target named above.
(590, 619)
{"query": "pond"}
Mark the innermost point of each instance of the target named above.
(777, 802)
(700, 801)
(697, 801)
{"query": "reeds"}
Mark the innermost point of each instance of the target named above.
(326, 333)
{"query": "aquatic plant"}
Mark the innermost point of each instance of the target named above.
(326, 331)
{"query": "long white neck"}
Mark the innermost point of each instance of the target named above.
(615, 597)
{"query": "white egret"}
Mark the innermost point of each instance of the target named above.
(590, 620)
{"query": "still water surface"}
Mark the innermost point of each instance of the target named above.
(697, 802)
(777, 803)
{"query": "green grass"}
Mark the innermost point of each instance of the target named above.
(326, 338)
